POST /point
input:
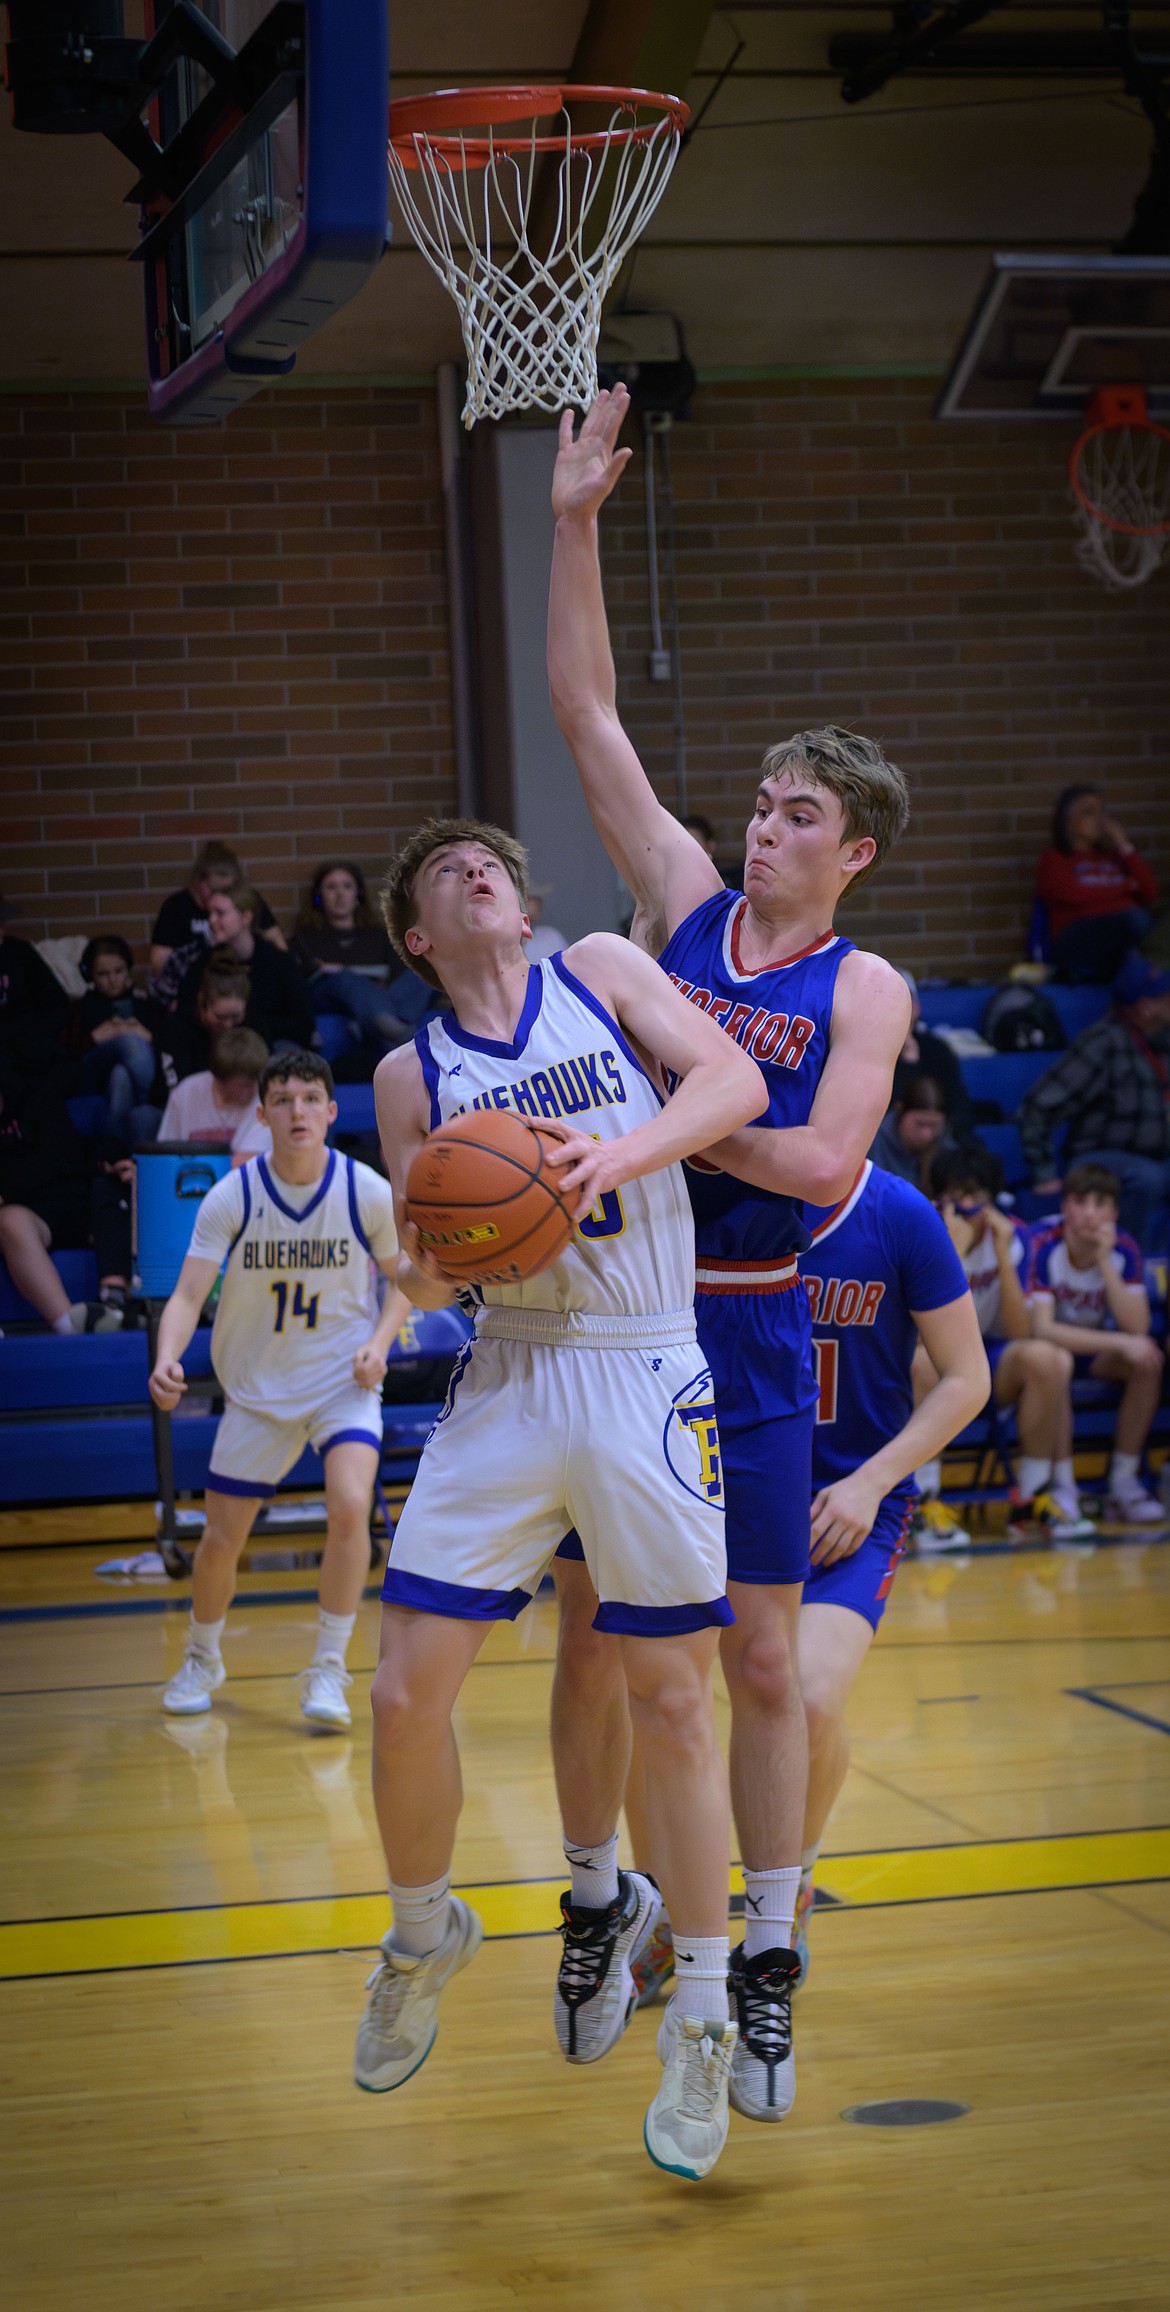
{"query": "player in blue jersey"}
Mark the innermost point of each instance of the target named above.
(881, 1274)
(825, 1023)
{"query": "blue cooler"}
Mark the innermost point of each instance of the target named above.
(173, 1179)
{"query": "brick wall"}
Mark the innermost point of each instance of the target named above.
(240, 633)
(244, 634)
(842, 558)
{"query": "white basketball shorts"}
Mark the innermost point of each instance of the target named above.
(253, 1451)
(536, 1436)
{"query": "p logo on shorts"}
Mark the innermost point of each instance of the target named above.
(693, 1412)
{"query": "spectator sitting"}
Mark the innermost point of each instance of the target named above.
(1031, 1376)
(113, 1023)
(34, 1008)
(349, 963)
(278, 1003)
(1087, 1294)
(48, 1198)
(911, 1131)
(185, 1045)
(182, 932)
(219, 1106)
(545, 939)
(924, 1054)
(1111, 1088)
(1096, 890)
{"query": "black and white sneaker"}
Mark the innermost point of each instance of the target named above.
(595, 1993)
(763, 2067)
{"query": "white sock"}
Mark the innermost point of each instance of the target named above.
(1064, 1476)
(205, 1637)
(769, 1906)
(63, 1325)
(808, 1864)
(1032, 1475)
(334, 1632)
(420, 1916)
(700, 1973)
(1123, 1472)
(594, 1873)
(929, 1478)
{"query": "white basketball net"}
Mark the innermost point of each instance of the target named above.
(530, 316)
(1124, 472)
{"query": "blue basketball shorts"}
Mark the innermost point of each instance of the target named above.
(758, 1344)
(863, 1582)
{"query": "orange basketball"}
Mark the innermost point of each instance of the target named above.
(485, 1200)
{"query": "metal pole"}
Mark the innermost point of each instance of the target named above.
(176, 1560)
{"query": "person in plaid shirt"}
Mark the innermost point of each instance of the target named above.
(1112, 1089)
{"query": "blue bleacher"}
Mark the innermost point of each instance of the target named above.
(1005, 1076)
(964, 1007)
(355, 1110)
(78, 1274)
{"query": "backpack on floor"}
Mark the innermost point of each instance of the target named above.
(1023, 1019)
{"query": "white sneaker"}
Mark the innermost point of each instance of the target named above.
(686, 2125)
(398, 2030)
(595, 1992)
(323, 1687)
(1132, 1505)
(936, 1527)
(763, 2073)
(192, 1687)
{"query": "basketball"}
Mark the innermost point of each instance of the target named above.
(485, 1200)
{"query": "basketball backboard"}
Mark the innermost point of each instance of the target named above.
(1049, 332)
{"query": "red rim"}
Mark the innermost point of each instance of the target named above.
(1114, 409)
(442, 116)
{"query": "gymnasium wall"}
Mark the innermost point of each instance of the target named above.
(244, 634)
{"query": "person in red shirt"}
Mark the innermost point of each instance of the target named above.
(1096, 889)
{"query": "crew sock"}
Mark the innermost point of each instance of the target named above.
(1032, 1475)
(700, 1973)
(929, 1479)
(594, 1873)
(334, 1632)
(769, 1905)
(1064, 1479)
(205, 1637)
(420, 1916)
(1123, 1472)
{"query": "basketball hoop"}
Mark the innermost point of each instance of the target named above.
(1120, 473)
(527, 230)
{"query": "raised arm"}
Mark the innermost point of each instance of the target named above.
(668, 872)
(717, 1085)
(820, 1160)
(404, 1121)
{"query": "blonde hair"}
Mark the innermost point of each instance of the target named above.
(871, 790)
(397, 893)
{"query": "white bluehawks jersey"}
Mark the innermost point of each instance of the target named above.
(570, 1063)
(299, 1294)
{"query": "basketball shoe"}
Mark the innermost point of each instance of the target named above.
(936, 1527)
(686, 2125)
(653, 1965)
(192, 1687)
(399, 2029)
(1128, 1503)
(1050, 1517)
(595, 1993)
(323, 1687)
(763, 2070)
(805, 1902)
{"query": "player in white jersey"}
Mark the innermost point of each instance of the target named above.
(582, 1401)
(300, 1347)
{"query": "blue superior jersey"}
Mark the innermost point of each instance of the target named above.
(872, 1260)
(569, 1062)
(782, 1016)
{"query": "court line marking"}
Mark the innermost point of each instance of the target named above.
(304, 1926)
(257, 1677)
(925, 1700)
(1099, 1696)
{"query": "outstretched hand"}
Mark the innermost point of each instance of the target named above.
(587, 469)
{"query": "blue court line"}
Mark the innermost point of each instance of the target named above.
(96, 1607)
(1101, 1701)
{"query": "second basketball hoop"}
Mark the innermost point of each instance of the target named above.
(524, 202)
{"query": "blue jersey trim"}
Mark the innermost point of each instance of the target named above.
(661, 1621)
(247, 1188)
(430, 1069)
(594, 1004)
(529, 1015)
(422, 1595)
(322, 1190)
(352, 1437)
(354, 1214)
(248, 1488)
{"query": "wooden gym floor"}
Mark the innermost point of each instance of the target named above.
(188, 1910)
